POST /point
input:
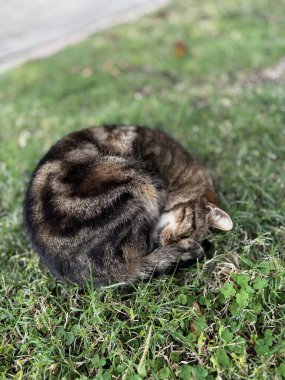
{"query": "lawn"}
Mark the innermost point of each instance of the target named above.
(196, 69)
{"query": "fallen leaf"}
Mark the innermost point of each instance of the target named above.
(180, 49)
(193, 327)
(197, 307)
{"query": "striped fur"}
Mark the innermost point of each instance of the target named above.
(116, 204)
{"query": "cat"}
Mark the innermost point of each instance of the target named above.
(119, 204)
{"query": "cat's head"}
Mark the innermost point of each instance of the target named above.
(189, 222)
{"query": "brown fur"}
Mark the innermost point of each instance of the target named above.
(117, 204)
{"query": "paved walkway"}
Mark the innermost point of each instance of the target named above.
(36, 28)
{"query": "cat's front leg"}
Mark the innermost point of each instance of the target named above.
(166, 258)
(195, 253)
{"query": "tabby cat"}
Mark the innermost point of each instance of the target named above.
(118, 204)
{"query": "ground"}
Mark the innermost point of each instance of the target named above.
(200, 71)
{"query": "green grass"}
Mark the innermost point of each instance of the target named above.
(221, 319)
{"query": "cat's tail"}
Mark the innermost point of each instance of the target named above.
(159, 261)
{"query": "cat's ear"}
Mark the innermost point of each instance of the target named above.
(218, 218)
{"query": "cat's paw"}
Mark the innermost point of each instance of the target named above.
(193, 254)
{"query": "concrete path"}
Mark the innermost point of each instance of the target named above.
(32, 29)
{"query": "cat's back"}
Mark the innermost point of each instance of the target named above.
(87, 197)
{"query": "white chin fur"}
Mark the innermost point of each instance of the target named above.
(166, 219)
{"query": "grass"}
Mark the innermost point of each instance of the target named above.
(224, 318)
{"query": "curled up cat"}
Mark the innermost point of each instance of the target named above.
(118, 204)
